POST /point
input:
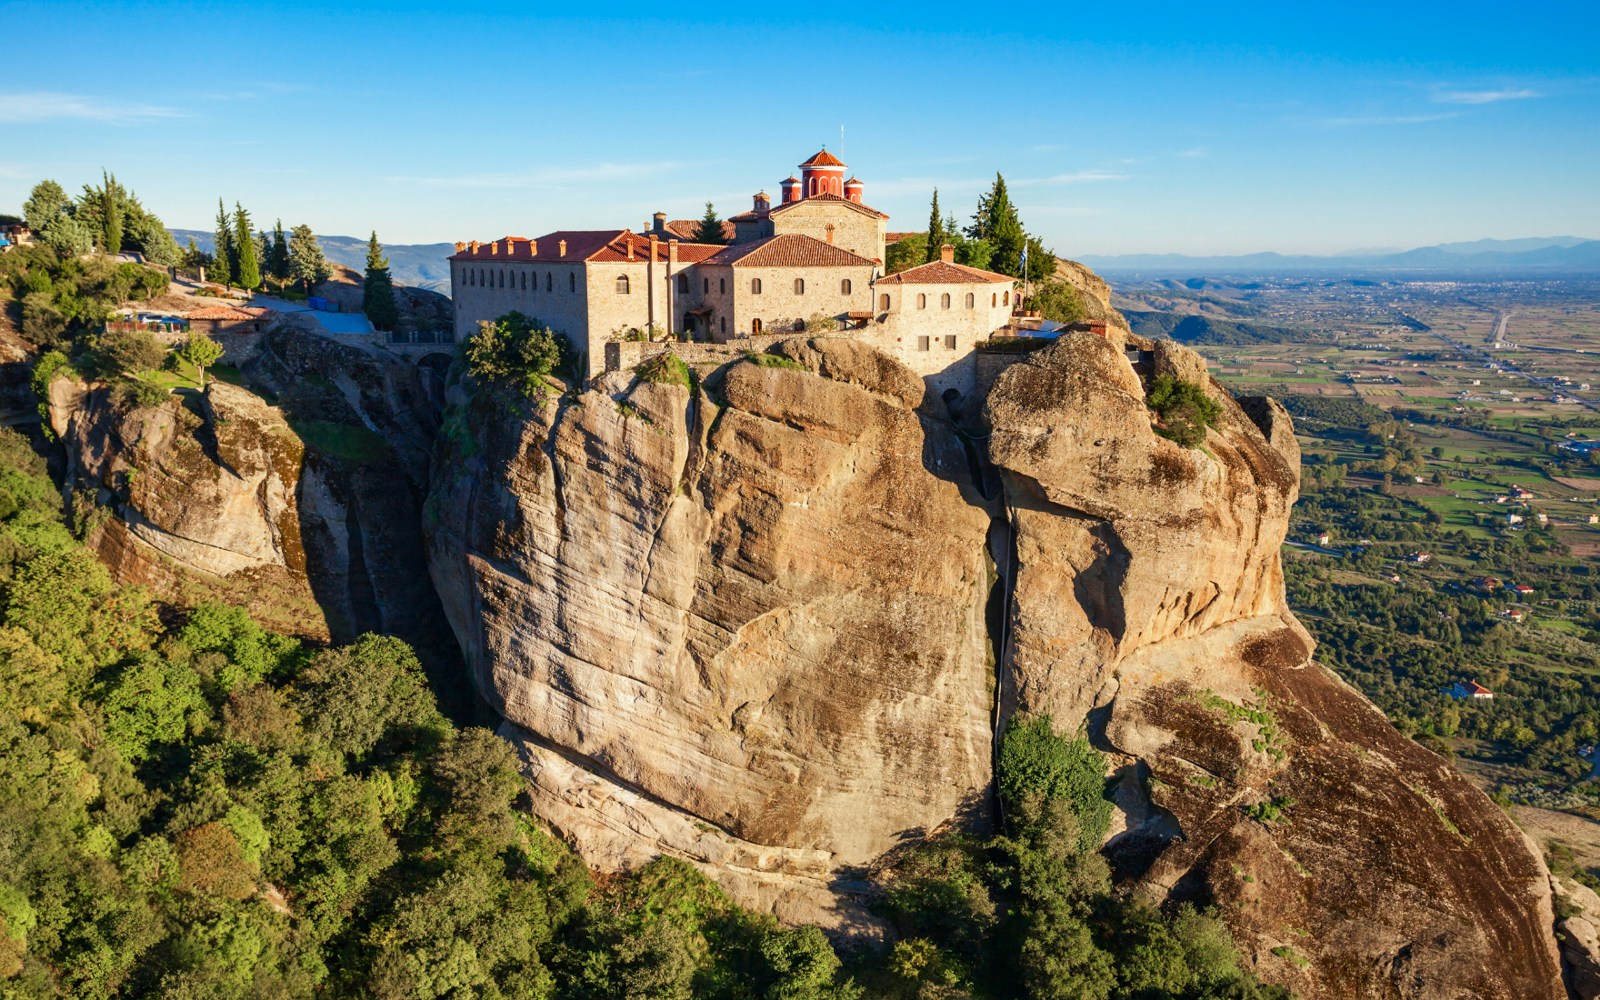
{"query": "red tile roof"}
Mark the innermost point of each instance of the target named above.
(582, 245)
(856, 205)
(230, 313)
(940, 273)
(823, 158)
(787, 250)
(687, 229)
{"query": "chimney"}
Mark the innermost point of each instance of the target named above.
(654, 241)
(533, 248)
(561, 248)
(672, 251)
(475, 246)
(460, 246)
(947, 253)
(628, 240)
(658, 223)
(494, 247)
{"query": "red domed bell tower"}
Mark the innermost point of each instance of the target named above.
(822, 174)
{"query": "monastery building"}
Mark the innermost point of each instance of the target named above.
(816, 256)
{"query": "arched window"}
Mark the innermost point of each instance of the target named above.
(994, 300)
(1008, 298)
(683, 283)
(755, 286)
(883, 302)
(622, 284)
(972, 300)
(844, 287)
(724, 324)
(722, 285)
(572, 281)
(524, 280)
(755, 325)
(922, 301)
(502, 278)
(799, 286)
(944, 301)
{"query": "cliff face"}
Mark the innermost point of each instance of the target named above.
(306, 509)
(746, 630)
(747, 626)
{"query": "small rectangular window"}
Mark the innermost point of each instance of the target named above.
(950, 342)
(922, 343)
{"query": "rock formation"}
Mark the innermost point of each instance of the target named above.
(307, 511)
(746, 625)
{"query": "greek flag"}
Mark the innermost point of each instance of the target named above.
(1024, 262)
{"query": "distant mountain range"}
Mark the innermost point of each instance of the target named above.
(420, 265)
(1548, 254)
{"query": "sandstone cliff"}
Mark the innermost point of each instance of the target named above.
(305, 509)
(747, 625)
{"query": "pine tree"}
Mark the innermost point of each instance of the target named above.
(278, 262)
(247, 272)
(223, 255)
(377, 293)
(710, 229)
(937, 237)
(307, 265)
(998, 223)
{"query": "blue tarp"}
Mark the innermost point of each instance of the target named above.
(345, 323)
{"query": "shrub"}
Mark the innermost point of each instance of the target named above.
(665, 368)
(1058, 301)
(516, 352)
(775, 361)
(136, 394)
(1184, 408)
(818, 323)
(129, 351)
(1036, 762)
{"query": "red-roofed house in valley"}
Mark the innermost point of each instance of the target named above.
(813, 261)
(226, 319)
(1464, 690)
(1523, 588)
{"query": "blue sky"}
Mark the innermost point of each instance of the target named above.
(1120, 128)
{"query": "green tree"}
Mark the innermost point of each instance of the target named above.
(1185, 409)
(67, 236)
(201, 351)
(151, 701)
(46, 201)
(307, 265)
(514, 351)
(1057, 300)
(225, 256)
(247, 270)
(936, 233)
(111, 202)
(908, 251)
(1041, 261)
(377, 291)
(996, 222)
(1035, 761)
(129, 352)
(710, 228)
(278, 260)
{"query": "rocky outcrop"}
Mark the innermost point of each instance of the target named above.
(1147, 604)
(746, 625)
(306, 509)
(753, 617)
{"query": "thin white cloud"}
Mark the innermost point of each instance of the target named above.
(558, 177)
(1385, 119)
(45, 106)
(1075, 177)
(1483, 96)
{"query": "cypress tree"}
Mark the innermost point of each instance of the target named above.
(936, 234)
(710, 230)
(223, 253)
(278, 261)
(111, 213)
(307, 264)
(377, 293)
(248, 271)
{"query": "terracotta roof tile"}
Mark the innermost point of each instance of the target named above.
(940, 273)
(686, 229)
(833, 198)
(787, 250)
(234, 313)
(823, 158)
(582, 245)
